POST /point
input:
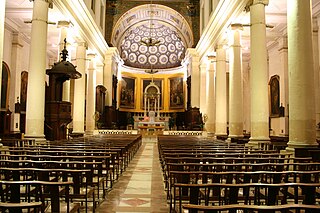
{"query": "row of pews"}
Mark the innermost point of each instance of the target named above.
(62, 176)
(203, 175)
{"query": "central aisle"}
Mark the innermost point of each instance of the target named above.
(140, 188)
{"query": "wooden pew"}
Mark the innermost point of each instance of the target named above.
(249, 193)
(81, 190)
(251, 208)
(17, 191)
(233, 177)
(18, 207)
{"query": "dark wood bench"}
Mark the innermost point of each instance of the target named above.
(18, 207)
(80, 190)
(236, 177)
(247, 193)
(35, 191)
(249, 208)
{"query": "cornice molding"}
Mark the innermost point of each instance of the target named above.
(220, 20)
(80, 16)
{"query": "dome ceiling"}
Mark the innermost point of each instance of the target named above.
(167, 53)
(152, 36)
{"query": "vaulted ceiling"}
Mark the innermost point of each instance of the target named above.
(18, 12)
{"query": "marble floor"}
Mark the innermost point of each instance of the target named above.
(140, 188)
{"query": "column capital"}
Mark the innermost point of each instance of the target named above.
(264, 2)
(192, 52)
(220, 46)
(255, 2)
(48, 1)
(112, 54)
(64, 23)
(91, 56)
(236, 26)
(283, 43)
(17, 39)
(315, 24)
(211, 58)
(82, 44)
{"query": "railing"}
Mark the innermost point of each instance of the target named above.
(116, 132)
(194, 133)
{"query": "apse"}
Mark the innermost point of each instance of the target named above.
(167, 53)
(152, 36)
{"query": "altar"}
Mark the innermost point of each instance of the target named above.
(150, 127)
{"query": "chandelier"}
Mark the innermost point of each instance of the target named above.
(149, 42)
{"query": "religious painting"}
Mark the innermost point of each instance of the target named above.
(274, 96)
(23, 90)
(176, 93)
(5, 82)
(127, 92)
(157, 84)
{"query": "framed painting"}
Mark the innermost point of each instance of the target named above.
(176, 93)
(158, 83)
(274, 96)
(127, 92)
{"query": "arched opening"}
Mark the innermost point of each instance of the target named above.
(5, 82)
(100, 103)
(152, 36)
(274, 88)
(5, 114)
(23, 100)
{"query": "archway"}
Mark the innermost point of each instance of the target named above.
(5, 114)
(152, 22)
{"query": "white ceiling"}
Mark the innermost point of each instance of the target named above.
(19, 11)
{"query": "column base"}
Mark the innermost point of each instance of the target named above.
(318, 133)
(38, 139)
(78, 132)
(232, 138)
(89, 132)
(260, 143)
(292, 145)
(211, 135)
(221, 136)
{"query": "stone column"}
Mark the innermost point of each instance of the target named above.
(91, 95)
(221, 92)
(99, 73)
(195, 76)
(316, 45)
(210, 98)
(15, 80)
(302, 119)
(235, 84)
(79, 89)
(37, 70)
(259, 73)
(108, 71)
(64, 25)
(2, 17)
(203, 88)
(284, 85)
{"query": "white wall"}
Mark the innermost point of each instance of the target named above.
(246, 96)
(7, 47)
(276, 67)
(205, 12)
(97, 13)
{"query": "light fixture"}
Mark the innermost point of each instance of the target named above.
(149, 42)
(151, 71)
